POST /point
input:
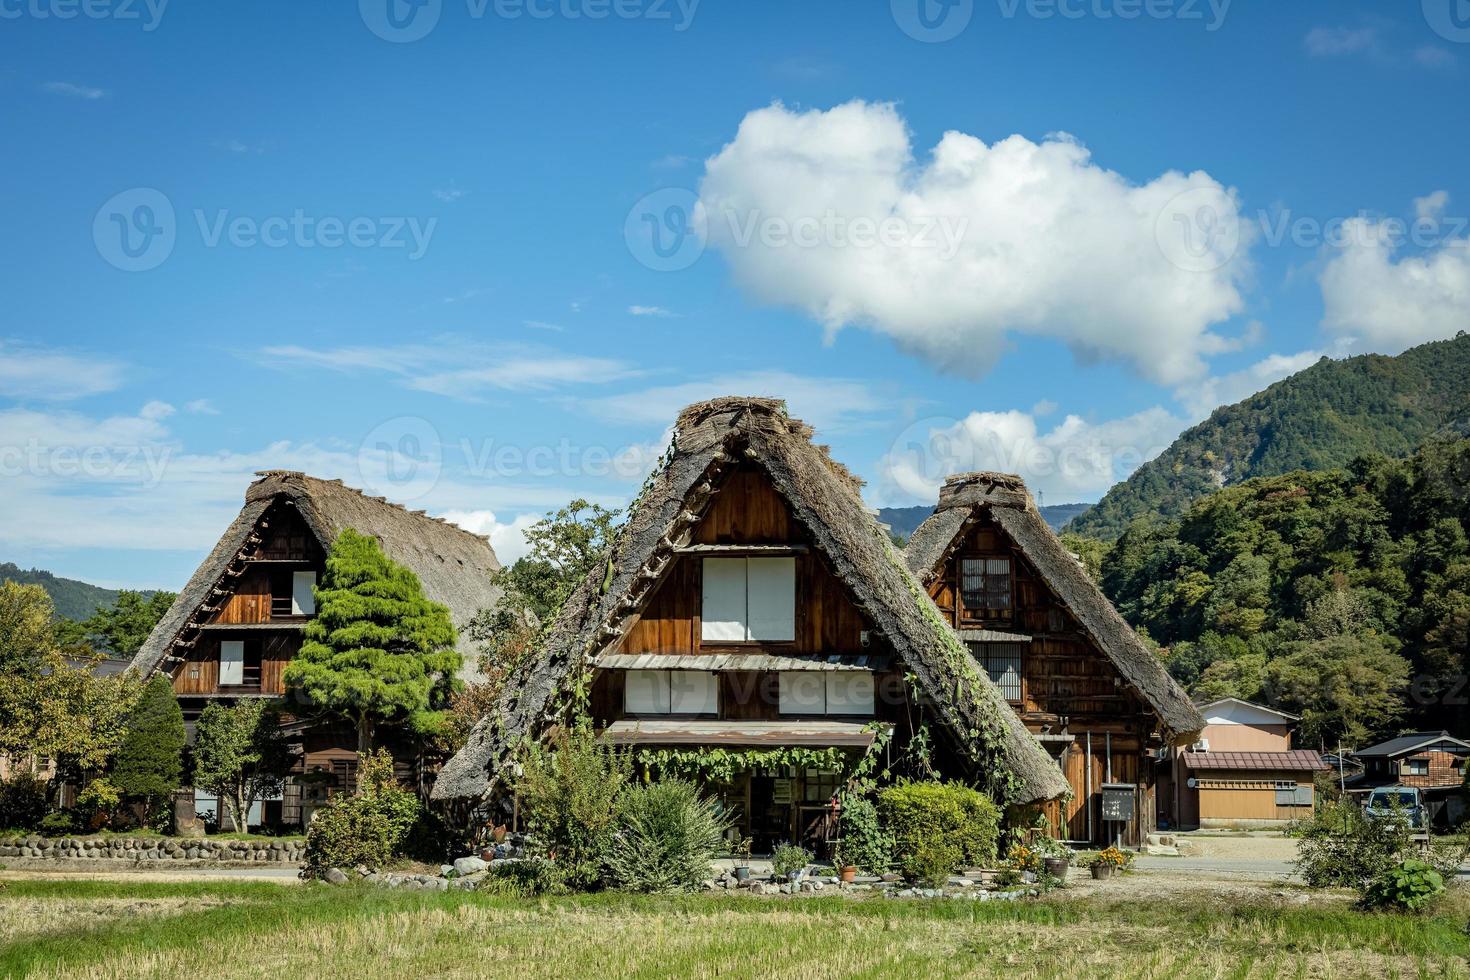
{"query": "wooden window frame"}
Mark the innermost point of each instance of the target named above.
(986, 611)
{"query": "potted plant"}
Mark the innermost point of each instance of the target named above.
(1106, 862)
(846, 871)
(1055, 856)
(742, 859)
(790, 862)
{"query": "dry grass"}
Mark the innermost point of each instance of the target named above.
(254, 930)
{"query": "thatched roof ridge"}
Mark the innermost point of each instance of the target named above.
(825, 500)
(1005, 498)
(454, 565)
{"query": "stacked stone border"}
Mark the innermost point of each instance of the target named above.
(138, 849)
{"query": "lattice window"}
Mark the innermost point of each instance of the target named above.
(985, 583)
(1003, 663)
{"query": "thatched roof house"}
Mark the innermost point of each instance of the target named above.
(711, 440)
(968, 499)
(454, 565)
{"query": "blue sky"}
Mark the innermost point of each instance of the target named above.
(275, 234)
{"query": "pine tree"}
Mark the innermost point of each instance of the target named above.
(378, 650)
(149, 763)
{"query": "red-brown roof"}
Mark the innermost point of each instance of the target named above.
(1294, 760)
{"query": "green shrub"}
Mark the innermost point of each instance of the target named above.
(789, 859)
(523, 879)
(1407, 887)
(57, 823)
(1341, 847)
(22, 801)
(367, 828)
(150, 761)
(933, 861)
(863, 843)
(924, 815)
(571, 796)
(668, 837)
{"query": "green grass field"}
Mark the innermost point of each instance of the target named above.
(250, 929)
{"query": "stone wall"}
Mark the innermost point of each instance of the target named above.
(153, 849)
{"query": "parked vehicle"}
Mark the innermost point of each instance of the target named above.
(1402, 802)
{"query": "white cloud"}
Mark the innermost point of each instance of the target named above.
(1378, 46)
(1328, 42)
(649, 311)
(239, 147)
(1378, 299)
(1203, 397)
(829, 404)
(543, 325)
(28, 371)
(449, 194)
(74, 90)
(1076, 460)
(978, 241)
(201, 406)
(462, 371)
(1431, 206)
(508, 540)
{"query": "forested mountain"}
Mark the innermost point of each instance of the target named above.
(1342, 595)
(1317, 419)
(903, 521)
(73, 599)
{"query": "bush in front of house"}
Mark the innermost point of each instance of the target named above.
(936, 823)
(22, 802)
(571, 797)
(788, 859)
(149, 764)
(669, 836)
(522, 879)
(862, 840)
(1409, 886)
(366, 828)
(1341, 847)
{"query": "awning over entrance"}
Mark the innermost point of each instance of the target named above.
(741, 662)
(843, 734)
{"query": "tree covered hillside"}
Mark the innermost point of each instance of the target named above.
(73, 599)
(1317, 419)
(1342, 595)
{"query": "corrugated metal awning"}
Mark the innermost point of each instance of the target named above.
(993, 636)
(842, 734)
(741, 661)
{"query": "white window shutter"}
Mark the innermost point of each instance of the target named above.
(802, 693)
(722, 615)
(772, 602)
(303, 600)
(231, 663)
(850, 693)
(646, 692)
(693, 692)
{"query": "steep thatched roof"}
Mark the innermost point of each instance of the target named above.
(1004, 497)
(454, 565)
(824, 498)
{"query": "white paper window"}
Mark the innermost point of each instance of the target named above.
(749, 599)
(693, 692)
(802, 693)
(231, 663)
(303, 600)
(771, 598)
(722, 616)
(850, 693)
(646, 692)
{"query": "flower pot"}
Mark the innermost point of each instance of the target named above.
(1057, 867)
(742, 872)
(848, 874)
(1102, 871)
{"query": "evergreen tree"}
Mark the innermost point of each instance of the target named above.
(378, 650)
(149, 763)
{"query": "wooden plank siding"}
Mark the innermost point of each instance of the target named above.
(1445, 769)
(1067, 685)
